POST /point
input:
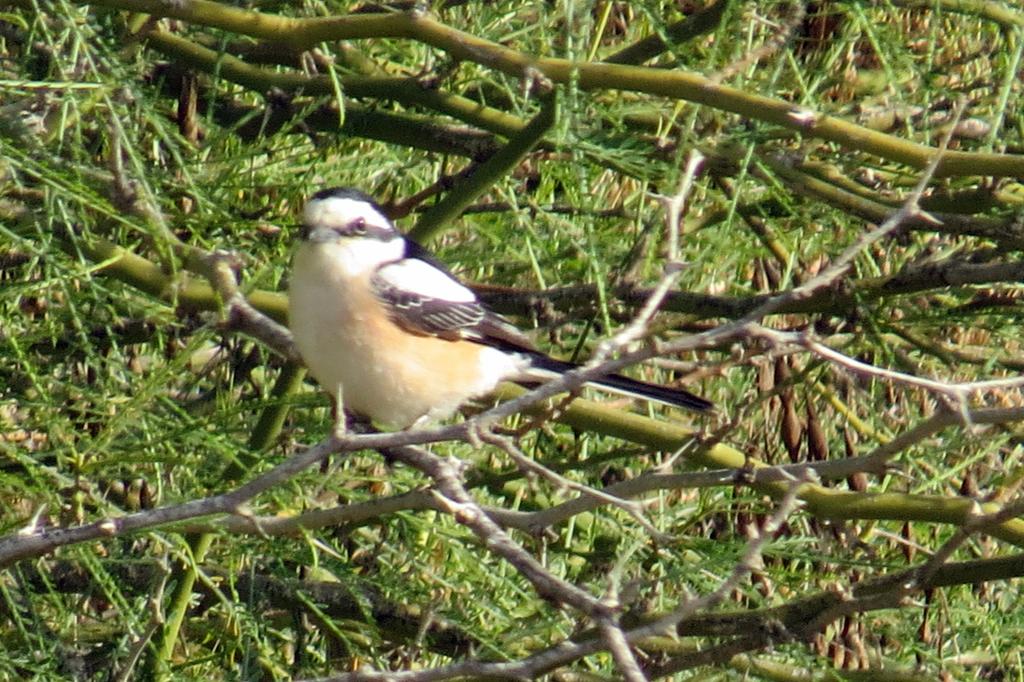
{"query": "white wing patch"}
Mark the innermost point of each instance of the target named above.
(421, 279)
(423, 299)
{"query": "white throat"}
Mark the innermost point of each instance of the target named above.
(347, 257)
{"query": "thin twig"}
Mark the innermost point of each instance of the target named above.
(958, 391)
(673, 207)
(456, 500)
(599, 497)
(615, 640)
(746, 565)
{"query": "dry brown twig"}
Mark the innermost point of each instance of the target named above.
(673, 208)
(599, 497)
(568, 651)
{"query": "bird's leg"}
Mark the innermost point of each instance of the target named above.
(338, 416)
(420, 421)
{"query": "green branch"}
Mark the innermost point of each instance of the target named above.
(984, 9)
(1003, 230)
(251, 122)
(184, 290)
(911, 280)
(194, 293)
(407, 91)
(700, 23)
(675, 84)
(487, 174)
(590, 416)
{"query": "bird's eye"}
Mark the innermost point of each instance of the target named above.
(358, 226)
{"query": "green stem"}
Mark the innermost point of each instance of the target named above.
(1005, 231)
(407, 91)
(819, 501)
(701, 23)
(184, 579)
(264, 434)
(196, 294)
(488, 173)
(184, 290)
(271, 421)
(676, 84)
(984, 9)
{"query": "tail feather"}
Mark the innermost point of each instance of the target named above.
(617, 383)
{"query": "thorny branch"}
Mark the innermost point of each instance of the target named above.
(568, 651)
(453, 497)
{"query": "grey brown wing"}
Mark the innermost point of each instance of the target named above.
(424, 299)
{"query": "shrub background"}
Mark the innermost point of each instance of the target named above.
(171, 130)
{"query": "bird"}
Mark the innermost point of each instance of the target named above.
(385, 327)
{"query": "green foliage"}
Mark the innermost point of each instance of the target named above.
(176, 134)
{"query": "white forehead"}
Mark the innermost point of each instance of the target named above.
(338, 211)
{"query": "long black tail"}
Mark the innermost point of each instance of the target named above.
(617, 383)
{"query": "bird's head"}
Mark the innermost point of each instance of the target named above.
(352, 227)
(341, 213)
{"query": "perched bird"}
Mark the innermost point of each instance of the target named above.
(382, 323)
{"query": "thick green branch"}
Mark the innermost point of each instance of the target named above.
(251, 122)
(698, 24)
(676, 84)
(185, 290)
(488, 173)
(1005, 231)
(408, 91)
(984, 9)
